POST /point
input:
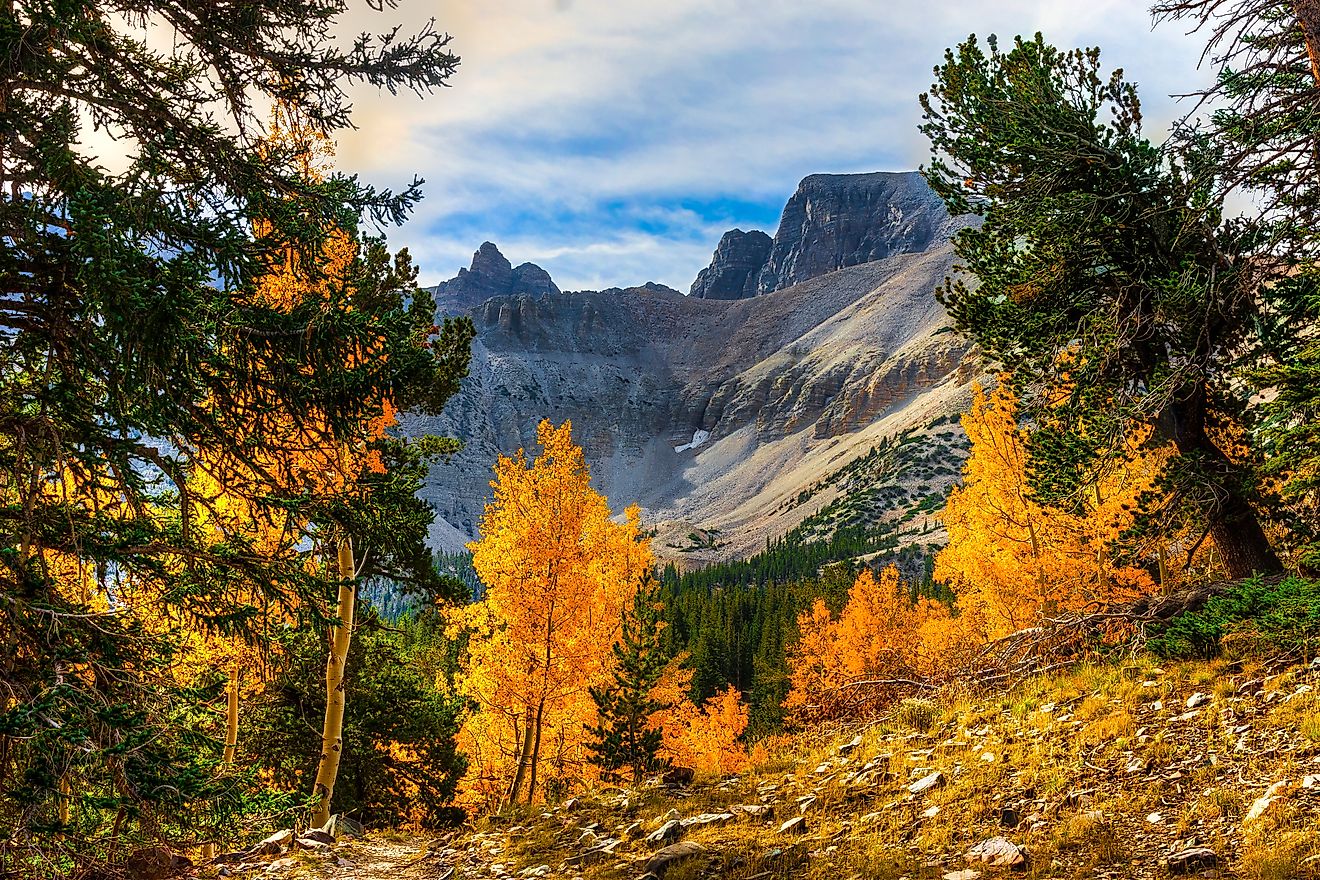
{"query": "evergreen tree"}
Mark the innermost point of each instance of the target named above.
(1264, 135)
(1106, 282)
(132, 340)
(623, 738)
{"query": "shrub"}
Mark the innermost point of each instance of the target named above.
(1280, 615)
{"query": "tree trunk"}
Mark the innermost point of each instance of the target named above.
(231, 735)
(332, 732)
(536, 750)
(1308, 16)
(1233, 526)
(520, 769)
(231, 717)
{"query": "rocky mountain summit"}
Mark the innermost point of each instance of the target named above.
(735, 269)
(833, 221)
(716, 411)
(491, 275)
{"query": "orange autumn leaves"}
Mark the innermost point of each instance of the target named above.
(1010, 561)
(558, 571)
(882, 640)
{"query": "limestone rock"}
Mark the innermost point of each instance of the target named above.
(320, 835)
(926, 783)
(1262, 804)
(662, 860)
(850, 746)
(667, 833)
(735, 266)
(998, 852)
(796, 825)
(707, 819)
(1189, 861)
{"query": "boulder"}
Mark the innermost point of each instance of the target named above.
(926, 783)
(998, 852)
(666, 833)
(271, 846)
(664, 859)
(1192, 860)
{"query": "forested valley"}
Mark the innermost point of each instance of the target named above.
(232, 649)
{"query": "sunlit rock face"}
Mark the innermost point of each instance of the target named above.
(712, 410)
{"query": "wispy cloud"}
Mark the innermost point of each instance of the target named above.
(612, 141)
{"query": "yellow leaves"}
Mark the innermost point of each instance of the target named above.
(881, 635)
(1010, 559)
(558, 571)
(705, 738)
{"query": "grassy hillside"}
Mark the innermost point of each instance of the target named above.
(1122, 770)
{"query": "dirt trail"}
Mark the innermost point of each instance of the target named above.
(378, 858)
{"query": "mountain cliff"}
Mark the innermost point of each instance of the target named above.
(718, 412)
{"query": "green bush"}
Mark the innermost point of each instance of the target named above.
(1283, 615)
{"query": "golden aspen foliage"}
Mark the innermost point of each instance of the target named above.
(1012, 560)
(558, 571)
(881, 640)
(705, 738)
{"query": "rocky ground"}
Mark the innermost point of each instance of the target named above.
(1117, 771)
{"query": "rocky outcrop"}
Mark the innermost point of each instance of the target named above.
(839, 220)
(490, 275)
(714, 414)
(735, 267)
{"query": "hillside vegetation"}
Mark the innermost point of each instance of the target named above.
(1127, 769)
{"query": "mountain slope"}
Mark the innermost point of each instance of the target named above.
(714, 414)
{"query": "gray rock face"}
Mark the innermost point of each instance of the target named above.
(490, 275)
(735, 267)
(713, 415)
(839, 220)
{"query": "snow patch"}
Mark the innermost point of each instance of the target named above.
(698, 438)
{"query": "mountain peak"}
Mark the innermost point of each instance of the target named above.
(733, 269)
(832, 221)
(490, 275)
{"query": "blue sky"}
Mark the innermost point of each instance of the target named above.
(613, 141)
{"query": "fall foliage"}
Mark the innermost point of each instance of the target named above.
(558, 572)
(705, 738)
(1011, 559)
(882, 642)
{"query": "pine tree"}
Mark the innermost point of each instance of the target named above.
(1107, 283)
(623, 738)
(133, 345)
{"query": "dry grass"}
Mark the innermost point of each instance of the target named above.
(1062, 751)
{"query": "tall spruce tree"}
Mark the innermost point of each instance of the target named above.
(1105, 279)
(131, 341)
(622, 739)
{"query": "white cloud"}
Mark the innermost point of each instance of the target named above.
(659, 119)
